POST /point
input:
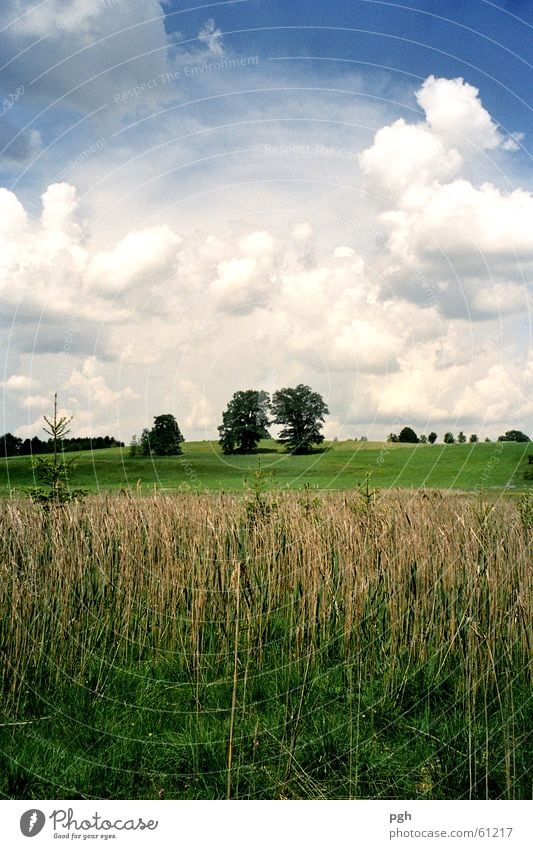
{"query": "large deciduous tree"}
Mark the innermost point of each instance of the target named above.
(514, 436)
(407, 434)
(164, 439)
(244, 422)
(301, 412)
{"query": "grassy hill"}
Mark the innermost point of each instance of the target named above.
(337, 466)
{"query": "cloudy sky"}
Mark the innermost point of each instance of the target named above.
(197, 198)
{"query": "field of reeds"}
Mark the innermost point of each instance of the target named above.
(282, 645)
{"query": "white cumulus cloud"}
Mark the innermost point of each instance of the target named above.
(454, 111)
(143, 256)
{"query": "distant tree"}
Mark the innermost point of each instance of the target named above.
(135, 448)
(449, 438)
(144, 442)
(514, 436)
(461, 437)
(245, 422)
(473, 437)
(363, 439)
(9, 445)
(301, 412)
(432, 437)
(164, 439)
(407, 434)
(487, 439)
(39, 446)
(392, 437)
(423, 438)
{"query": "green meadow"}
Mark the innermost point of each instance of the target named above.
(337, 466)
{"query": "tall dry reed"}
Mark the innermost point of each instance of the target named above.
(419, 593)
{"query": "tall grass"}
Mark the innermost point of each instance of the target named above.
(285, 646)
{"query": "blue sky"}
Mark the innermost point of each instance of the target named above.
(199, 198)
(488, 42)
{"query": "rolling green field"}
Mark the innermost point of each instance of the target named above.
(337, 466)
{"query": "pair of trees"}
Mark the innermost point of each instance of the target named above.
(164, 439)
(299, 410)
(449, 438)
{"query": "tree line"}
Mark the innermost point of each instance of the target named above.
(14, 446)
(408, 435)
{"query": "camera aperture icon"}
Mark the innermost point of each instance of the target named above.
(32, 822)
